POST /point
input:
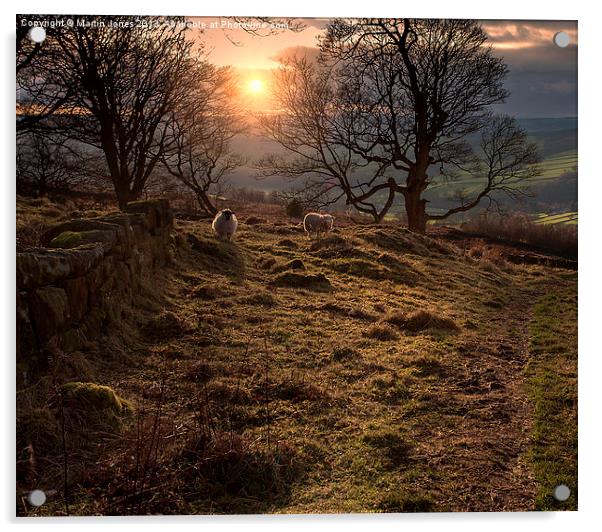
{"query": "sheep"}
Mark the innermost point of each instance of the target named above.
(225, 224)
(315, 222)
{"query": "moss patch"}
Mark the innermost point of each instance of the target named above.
(94, 405)
(67, 239)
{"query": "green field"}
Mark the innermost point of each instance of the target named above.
(550, 168)
(569, 218)
(556, 165)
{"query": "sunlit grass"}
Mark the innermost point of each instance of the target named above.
(552, 384)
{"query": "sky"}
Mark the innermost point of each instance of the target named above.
(542, 78)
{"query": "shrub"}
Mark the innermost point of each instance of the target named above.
(235, 473)
(294, 209)
(560, 238)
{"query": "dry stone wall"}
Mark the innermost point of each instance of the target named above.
(70, 288)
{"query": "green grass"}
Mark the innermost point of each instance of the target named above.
(558, 164)
(552, 384)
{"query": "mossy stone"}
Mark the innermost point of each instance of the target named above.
(67, 239)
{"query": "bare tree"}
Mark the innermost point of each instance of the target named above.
(200, 132)
(125, 79)
(396, 98)
(45, 164)
(260, 26)
(505, 158)
(305, 126)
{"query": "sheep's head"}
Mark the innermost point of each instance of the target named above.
(227, 214)
(329, 218)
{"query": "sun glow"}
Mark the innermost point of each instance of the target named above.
(255, 86)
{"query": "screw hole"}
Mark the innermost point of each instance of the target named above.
(562, 492)
(562, 39)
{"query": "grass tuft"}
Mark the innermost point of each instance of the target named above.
(317, 281)
(166, 325)
(421, 320)
(381, 331)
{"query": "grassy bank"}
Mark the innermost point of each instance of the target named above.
(374, 371)
(552, 384)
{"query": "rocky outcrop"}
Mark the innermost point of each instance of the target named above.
(69, 289)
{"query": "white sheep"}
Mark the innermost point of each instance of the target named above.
(225, 224)
(314, 222)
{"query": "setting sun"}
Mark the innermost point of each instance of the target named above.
(256, 86)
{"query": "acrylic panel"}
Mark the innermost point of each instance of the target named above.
(277, 265)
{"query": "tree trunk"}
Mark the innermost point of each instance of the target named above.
(124, 196)
(416, 211)
(205, 203)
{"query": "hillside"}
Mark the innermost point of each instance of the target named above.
(553, 191)
(375, 370)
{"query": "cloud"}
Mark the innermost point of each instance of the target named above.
(527, 33)
(542, 77)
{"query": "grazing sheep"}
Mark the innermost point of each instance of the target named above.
(315, 222)
(225, 224)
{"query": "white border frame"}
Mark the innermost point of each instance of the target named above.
(590, 194)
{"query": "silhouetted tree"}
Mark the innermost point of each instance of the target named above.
(305, 126)
(125, 79)
(45, 163)
(199, 132)
(392, 99)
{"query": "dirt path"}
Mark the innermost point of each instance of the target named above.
(484, 454)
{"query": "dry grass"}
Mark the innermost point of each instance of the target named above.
(381, 331)
(166, 325)
(559, 238)
(421, 320)
(316, 281)
(309, 390)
